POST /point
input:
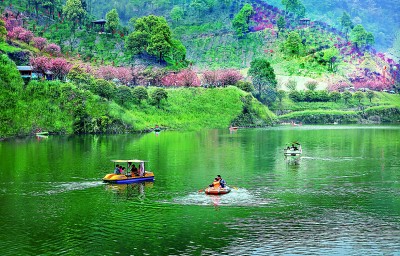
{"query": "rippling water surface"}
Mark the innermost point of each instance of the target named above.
(342, 197)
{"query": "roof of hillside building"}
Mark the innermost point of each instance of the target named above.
(24, 68)
(101, 21)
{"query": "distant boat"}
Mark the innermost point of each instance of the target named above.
(294, 124)
(42, 133)
(293, 150)
(233, 128)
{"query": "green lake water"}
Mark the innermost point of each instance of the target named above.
(342, 197)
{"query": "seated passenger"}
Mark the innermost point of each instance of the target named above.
(134, 171)
(221, 181)
(117, 170)
(216, 183)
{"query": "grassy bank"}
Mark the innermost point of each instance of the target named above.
(67, 108)
(384, 107)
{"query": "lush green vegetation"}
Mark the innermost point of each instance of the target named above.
(98, 106)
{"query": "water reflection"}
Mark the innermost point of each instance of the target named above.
(129, 191)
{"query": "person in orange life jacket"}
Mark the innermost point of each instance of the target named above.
(221, 181)
(215, 183)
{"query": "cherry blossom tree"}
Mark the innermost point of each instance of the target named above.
(39, 42)
(40, 65)
(60, 67)
(229, 77)
(53, 49)
(188, 78)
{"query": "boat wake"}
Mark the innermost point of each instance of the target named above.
(58, 188)
(237, 197)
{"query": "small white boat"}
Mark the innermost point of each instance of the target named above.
(293, 150)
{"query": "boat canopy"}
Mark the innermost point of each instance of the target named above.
(129, 161)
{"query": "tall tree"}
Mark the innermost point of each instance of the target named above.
(358, 35)
(74, 11)
(176, 13)
(294, 6)
(3, 31)
(330, 56)
(346, 23)
(242, 19)
(281, 23)
(293, 44)
(264, 80)
(113, 21)
(153, 35)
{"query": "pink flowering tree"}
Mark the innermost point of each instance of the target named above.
(106, 72)
(124, 75)
(53, 49)
(60, 67)
(188, 78)
(26, 36)
(339, 86)
(229, 77)
(210, 78)
(138, 75)
(40, 65)
(169, 80)
(39, 42)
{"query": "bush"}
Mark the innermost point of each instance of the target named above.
(245, 86)
(296, 96)
(140, 93)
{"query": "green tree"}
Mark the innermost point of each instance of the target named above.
(370, 95)
(113, 21)
(241, 21)
(347, 96)
(359, 96)
(158, 46)
(281, 23)
(158, 95)
(105, 89)
(264, 80)
(74, 12)
(346, 23)
(123, 95)
(3, 31)
(294, 6)
(176, 13)
(358, 35)
(245, 86)
(311, 85)
(330, 56)
(291, 85)
(293, 44)
(153, 35)
(369, 39)
(280, 94)
(140, 93)
(335, 96)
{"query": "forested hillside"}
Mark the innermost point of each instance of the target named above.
(118, 55)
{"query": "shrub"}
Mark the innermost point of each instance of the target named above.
(296, 96)
(140, 93)
(311, 85)
(245, 86)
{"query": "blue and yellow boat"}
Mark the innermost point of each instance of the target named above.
(131, 175)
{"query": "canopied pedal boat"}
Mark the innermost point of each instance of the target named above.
(217, 191)
(131, 174)
(293, 150)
